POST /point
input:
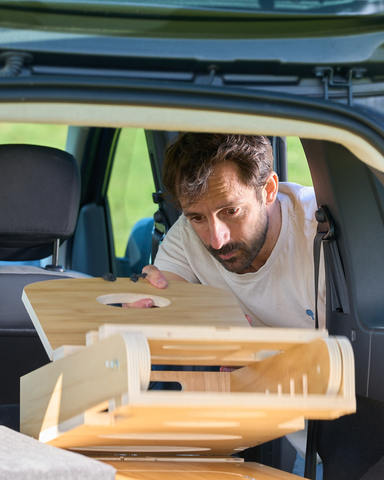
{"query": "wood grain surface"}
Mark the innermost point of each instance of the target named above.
(168, 470)
(85, 402)
(64, 310)
(302, 369)
(94, 399)
(220, 346)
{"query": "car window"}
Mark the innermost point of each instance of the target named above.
(34, 134)
(298, 170)
(130, 187)
(334, 7)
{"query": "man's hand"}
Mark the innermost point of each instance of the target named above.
(155, 278)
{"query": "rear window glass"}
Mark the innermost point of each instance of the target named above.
(298, 170)
(34, 134)
(130, 187)
(330, 7)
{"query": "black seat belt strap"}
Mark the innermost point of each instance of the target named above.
(325, 231)
(160, 227)
(337, 284)
(316, 257)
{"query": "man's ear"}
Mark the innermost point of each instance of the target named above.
(270, 188)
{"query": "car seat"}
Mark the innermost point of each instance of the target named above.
(352, 447)
(39, 201)
(138, 251)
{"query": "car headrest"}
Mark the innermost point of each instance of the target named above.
(39, 200)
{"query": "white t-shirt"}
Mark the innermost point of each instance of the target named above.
(282, 292)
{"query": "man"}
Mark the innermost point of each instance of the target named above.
(240, 230)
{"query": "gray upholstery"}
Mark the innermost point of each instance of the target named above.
(13, 279)
(23, 458)
(39, 202)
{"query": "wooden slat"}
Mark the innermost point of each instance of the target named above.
(64, 351)
(195, 381)
(65, 389)
(302, 369)
(210, 345)
(196, 471)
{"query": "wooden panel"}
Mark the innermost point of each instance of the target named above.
(302, 369)
(204, 345)
(64, 351)
(64, 310)
(62, 404)
(165, 423)
(195, 381)
(65, 389)
(168, 470)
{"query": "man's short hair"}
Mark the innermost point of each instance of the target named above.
(191, 157)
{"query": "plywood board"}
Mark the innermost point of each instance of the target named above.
(168, 470)
(195, 381)
(64, 310)
(164, 423)
(214, 345)
(85, 402)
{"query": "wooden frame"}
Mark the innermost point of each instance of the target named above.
(94, 397)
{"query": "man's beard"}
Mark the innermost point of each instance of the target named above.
(246, 253)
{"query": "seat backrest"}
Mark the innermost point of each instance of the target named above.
(352, 446)
(39, 202)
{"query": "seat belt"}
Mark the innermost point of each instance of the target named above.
(339, 299)
(160, 226)
(337, 283)
(325, 231)
(338, 291)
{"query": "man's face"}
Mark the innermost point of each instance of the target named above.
(230, 221)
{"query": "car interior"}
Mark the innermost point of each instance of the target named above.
(345, 156)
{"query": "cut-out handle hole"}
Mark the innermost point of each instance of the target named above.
(117, 299)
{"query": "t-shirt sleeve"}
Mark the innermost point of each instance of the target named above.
(173, 257)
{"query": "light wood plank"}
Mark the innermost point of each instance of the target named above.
(70, 414)
(91, 337)
(210, 345)
(197, 471)
(64, 351)
(63, 391)
(195, 381)
(304, 369)
(64, 310)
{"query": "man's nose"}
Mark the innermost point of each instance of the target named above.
(219, 234)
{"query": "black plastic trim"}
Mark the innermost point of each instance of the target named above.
(174, 95)
(18, 332)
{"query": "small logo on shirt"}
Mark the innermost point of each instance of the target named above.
(310, 313)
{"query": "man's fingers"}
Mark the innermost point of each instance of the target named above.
(142, 303)
(155, 277)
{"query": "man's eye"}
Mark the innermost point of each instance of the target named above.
(197, 219)
(232, 211)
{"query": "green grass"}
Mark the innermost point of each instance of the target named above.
(298, 170)
(34, 134)
(131, 186)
